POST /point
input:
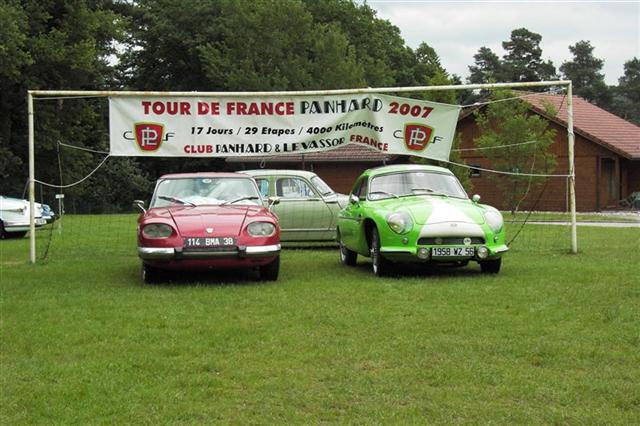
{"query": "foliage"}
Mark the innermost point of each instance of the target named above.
(509, 123)
(53, 45)
(523, 60)
(627, 94)
(584, 72)
(487, 68)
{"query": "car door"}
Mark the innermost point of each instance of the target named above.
(350, 218)
(302, 212)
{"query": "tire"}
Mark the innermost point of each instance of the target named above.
(150, 275)
(347, 257)
(13, 235)
(381, 266)
(269, 272)
(491, 266)
(2, 233)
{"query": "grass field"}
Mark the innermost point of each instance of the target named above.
(554, 338)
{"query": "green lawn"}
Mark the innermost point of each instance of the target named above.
(554, 338)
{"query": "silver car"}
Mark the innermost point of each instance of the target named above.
(307, 208)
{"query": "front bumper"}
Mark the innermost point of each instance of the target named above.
(176, 253)
(22, 226)
(410, 254)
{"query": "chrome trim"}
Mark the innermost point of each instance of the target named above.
(156, 253)
(164, 253)
(262, 250)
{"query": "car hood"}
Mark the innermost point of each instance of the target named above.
(430, 209)
(220, 220)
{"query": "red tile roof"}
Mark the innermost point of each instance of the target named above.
(350, 152)
(592, 122)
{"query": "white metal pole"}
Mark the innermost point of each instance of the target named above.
(32, 183)
(572, 170)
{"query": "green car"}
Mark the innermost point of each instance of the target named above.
(418, 214)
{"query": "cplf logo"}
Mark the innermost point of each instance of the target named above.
(417, 136)
(149, 135)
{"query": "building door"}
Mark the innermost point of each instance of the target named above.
(609, 182)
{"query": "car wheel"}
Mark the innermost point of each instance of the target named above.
(150, 275)
(347, 257)
(491, 266)
(381, 266)
(2, 233)
(269, 272)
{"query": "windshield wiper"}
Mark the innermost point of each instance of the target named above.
(252, 197)
(175, 200)
(384, 192)
(430, 191)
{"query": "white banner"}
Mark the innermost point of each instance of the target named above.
(230, 127)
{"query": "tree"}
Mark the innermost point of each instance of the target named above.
(53, 45)
(584, 72)
(487, 68)
(523, 60)
(503, 124)
(627, 94)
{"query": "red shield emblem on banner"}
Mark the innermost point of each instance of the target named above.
(417, 136)
(149, 135)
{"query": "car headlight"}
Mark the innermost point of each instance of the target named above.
(400, 222)
(261, 229)
(157, 230)
(494, 220)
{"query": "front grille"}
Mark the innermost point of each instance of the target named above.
(448, 241)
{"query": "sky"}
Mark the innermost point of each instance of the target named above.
(457, 29)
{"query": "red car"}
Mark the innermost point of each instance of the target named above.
(200, 221)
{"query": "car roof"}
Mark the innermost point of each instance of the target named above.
(276, 172)
(405, 168)
(203, 175)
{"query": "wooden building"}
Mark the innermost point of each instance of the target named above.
(607, 159)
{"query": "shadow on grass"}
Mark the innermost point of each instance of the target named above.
(208, 277)
(417, 270)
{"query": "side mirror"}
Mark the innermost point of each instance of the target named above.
(354, 199)
(139, 204)
(475, 198)
(273, 201)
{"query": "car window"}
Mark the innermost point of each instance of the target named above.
(415, 183)
(263, 186)
(203, 191)
(322, 186)
(293, 188)
(362, 191)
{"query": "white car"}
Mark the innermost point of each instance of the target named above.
(14, 217)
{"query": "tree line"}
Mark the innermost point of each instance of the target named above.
(221, 45)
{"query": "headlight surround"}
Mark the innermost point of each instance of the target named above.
(400, 222)
(261, 229)
(494, 220)
(157, 230)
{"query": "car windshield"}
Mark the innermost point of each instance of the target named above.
(321, 186)
(206, 191)
(403, 184)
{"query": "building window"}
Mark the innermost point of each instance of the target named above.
(474, 170)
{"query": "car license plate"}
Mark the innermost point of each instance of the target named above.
(452, 252)
(41, 221)
(204, 242)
